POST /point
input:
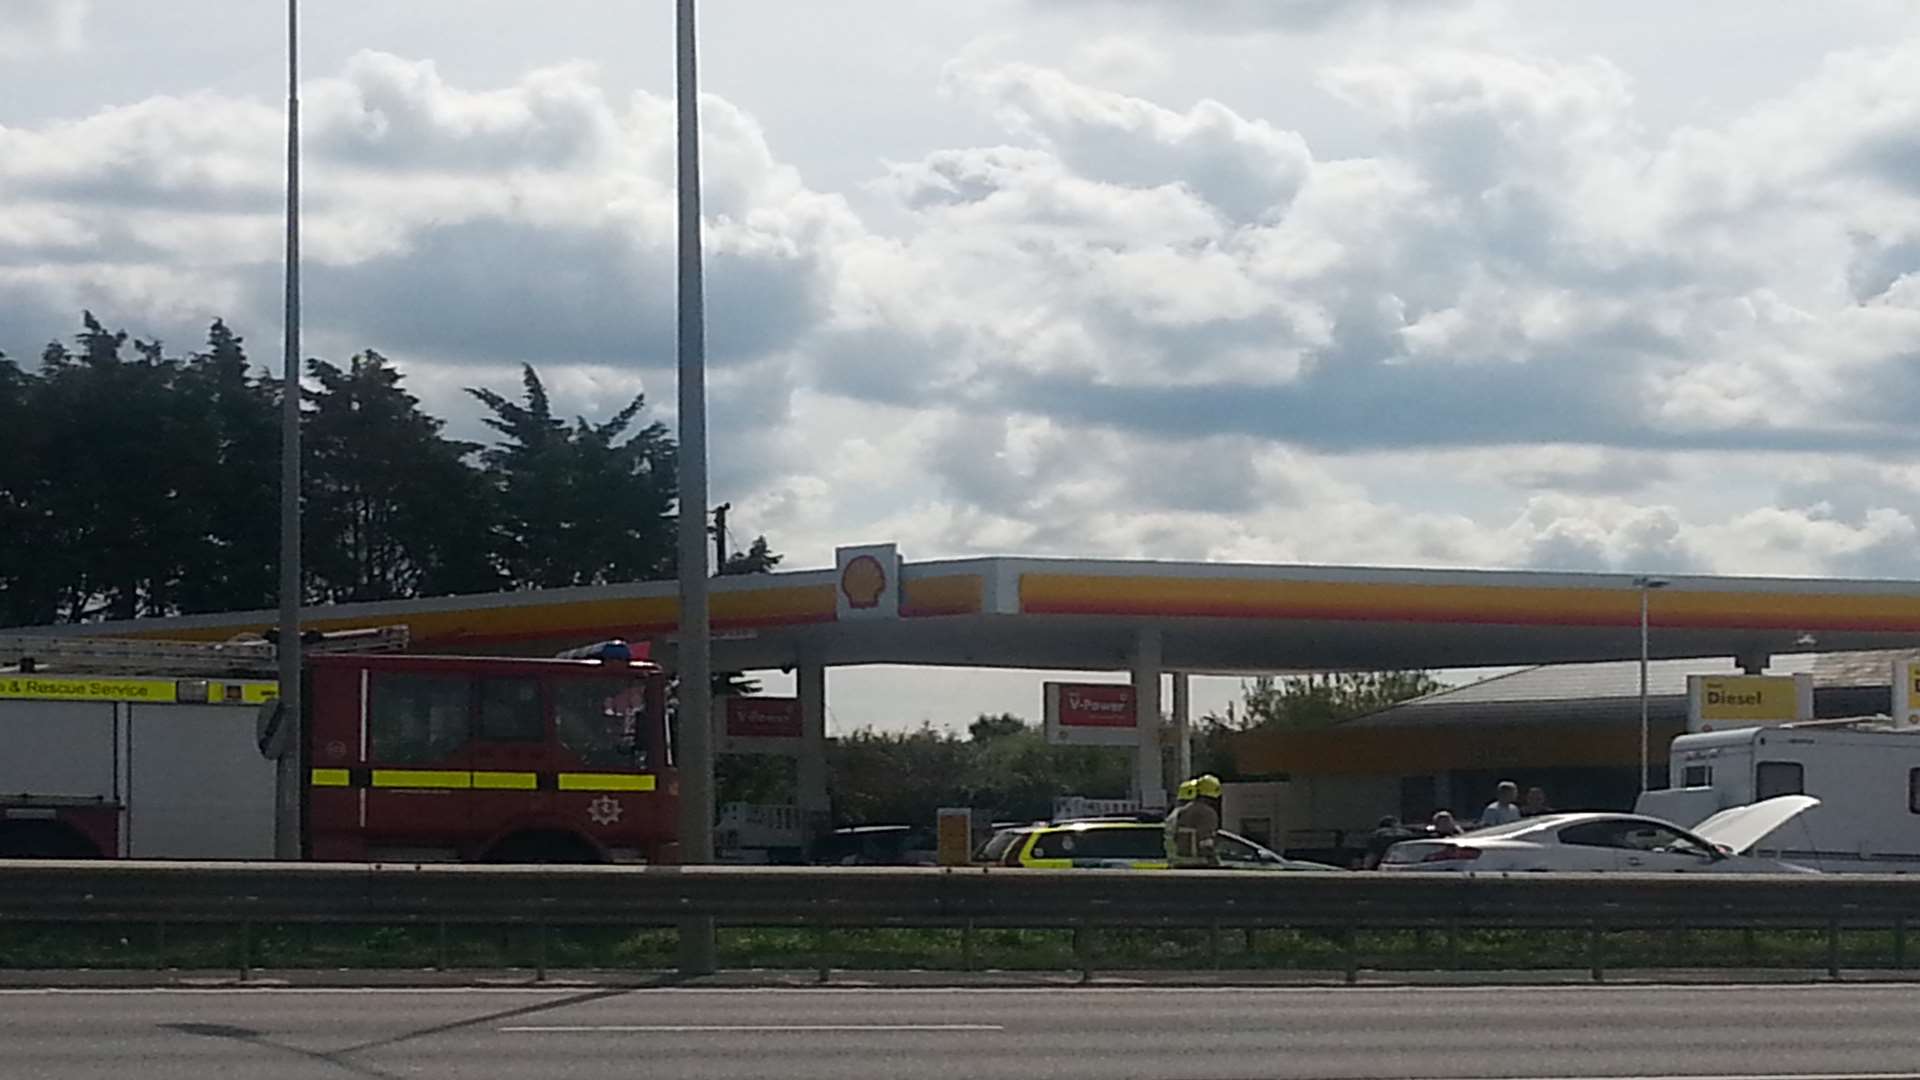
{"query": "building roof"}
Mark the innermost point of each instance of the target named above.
(1611, 689)
(1092, 614)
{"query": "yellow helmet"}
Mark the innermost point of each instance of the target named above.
(1207, 787)
(1188, 788)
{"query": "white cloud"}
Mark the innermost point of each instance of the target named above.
(1519, 326)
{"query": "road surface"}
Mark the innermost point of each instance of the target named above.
(1039, 1034)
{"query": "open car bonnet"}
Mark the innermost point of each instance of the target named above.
(1744, 826)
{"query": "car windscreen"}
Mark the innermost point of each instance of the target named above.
(996, 846)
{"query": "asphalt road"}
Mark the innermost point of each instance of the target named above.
(835, 1034)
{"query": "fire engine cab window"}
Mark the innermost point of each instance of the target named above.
(418, 718)
(1774, 778)
(603, 721)
(510, 710)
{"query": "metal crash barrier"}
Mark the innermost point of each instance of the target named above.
(1337, 906)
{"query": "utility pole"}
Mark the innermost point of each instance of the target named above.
(693, 655)
(288, 783)
(720, 538)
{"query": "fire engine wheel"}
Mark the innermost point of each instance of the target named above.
(44, 840)
(544, 846)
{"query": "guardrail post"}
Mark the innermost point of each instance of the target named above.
(1213, 944)
(1596, 952)
(1453, 944)
(159, 945)
(822, 944)
(966, 946)
(1833, 947)
(540, 952)
(440, 946)
(1749, 947)
(1350, 945)
(246, 951)
(1900, 942)
(1083, 952)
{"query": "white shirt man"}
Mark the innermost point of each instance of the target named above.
(1505, 807)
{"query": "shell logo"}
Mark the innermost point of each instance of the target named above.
(863, 581)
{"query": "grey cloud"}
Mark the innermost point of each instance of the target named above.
(495, 290)
(1410, 406)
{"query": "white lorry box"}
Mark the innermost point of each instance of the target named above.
(163, 779)
(1866, 776)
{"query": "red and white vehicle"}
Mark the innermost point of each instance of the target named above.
(405, 757)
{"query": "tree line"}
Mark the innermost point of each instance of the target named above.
(1005, 770)
(138, 481)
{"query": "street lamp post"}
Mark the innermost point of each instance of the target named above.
(693, 657)
(287, 777)
(1646, 585)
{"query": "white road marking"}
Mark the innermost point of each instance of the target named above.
(574, 1029)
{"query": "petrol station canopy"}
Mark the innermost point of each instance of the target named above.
(1092, 614)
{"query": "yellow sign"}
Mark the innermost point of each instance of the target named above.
(1906, 693)
(82, 688)
(955, 836)
(1750, 698)
(148, 691)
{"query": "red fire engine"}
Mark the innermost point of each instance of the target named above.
(406, 757)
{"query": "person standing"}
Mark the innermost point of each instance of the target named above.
(1536, 803)
(1197, 832)
(1183, 797)
(1444, 825)
(1505, 807)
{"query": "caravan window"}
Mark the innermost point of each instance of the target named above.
(1774, 778)
(1913, 790)
(1696, 776)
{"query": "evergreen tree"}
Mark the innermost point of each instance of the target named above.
(584, 503)
(392, 507)
(236, 564)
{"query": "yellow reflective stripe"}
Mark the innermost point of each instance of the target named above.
(573, 781)
(506, 781)
(330, 778)
(1048, 864)
(422, 778)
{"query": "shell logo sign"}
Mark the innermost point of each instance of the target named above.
(863, 581)
(869, 585)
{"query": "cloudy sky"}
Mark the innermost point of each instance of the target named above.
(1498, 283)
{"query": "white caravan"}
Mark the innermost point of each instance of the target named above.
(1865, 773)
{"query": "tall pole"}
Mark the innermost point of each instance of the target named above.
(287, 777)
(693, 656)
(1645, 585)
(1646, 767)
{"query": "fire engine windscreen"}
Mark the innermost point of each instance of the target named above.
(604, 721)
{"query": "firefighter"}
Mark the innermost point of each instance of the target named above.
(1197, 831)
(1183, 798)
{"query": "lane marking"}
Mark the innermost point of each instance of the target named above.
(574, 1029)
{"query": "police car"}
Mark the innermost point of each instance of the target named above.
(1117, 844)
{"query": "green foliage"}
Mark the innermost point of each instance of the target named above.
(1300, 702)
(392, 509)
(583, 504)
(1004, 770)
(141, 483)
